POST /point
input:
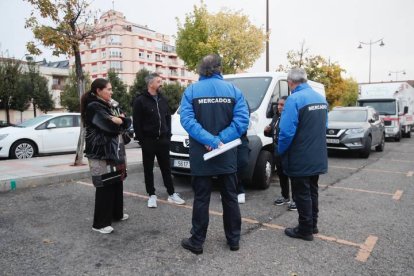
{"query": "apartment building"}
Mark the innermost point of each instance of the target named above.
(127, 48)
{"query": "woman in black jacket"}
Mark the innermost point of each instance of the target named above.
(105, 151)
(272, 130)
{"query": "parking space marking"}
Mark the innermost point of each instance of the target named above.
(397, 195)
(399, 160)
(372, 170)
(365, 248)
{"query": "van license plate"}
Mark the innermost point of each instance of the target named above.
(182, 164)
(332, 141)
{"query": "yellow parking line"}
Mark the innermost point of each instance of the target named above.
(371, 170)
(397, 195)
(366, 248)
(364, 252)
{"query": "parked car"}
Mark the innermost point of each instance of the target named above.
(356, 129)
(48, 133)
(4, 124)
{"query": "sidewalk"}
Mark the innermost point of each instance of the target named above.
(52, 169)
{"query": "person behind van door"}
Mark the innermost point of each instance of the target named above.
(302, 145)
(213, 112)
(272, 130)
(152, 126)
(105, 151)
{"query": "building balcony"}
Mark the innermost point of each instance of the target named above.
(58, 86)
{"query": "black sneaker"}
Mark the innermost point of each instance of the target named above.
(292, 206)
(187, 244)
(294, 233)
(234, 247)
(315, 230)
(281, 200)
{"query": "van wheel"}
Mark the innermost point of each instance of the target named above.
(263, 170)
(381, 146)
(398, 137)
(367, 149)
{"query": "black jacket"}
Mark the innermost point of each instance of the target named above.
(151, 118)
(102, 139)
(274, 131)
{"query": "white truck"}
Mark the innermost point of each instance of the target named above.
(261, 91)
(394, 101)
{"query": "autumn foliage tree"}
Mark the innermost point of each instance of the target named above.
(229, 34)
(68, 25)
(340, 91)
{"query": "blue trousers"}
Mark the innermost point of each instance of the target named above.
(231, 212)
(305, 195)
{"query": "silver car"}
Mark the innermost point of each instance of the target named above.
(355, 128)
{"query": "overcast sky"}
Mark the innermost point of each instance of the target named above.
(330, 28)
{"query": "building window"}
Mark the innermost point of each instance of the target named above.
(94, 69)
(114, 40)
(158, 45)
(115, 52)
(116, 65)
(141, 54)
(149, 56)
(103, 40)
(94, 56)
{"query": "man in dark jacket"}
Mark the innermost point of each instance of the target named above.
(152, 126)
(302, 145)
(213, 112)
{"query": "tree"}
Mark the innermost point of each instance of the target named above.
(339, 91)
(37, 88)
(120, 93)
(229, 34)
(10, 73)
(69, 26)
(139, 83)
(69, 98)
(173, 92)
(21, 98)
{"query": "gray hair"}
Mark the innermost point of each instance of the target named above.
(151, 77)
(297, 75)
(209, 65)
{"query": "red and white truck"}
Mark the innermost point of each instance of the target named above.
(394, 101)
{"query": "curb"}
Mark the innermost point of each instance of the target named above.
(30, 182)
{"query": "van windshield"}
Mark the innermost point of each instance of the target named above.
(382, 107)
(254, 89)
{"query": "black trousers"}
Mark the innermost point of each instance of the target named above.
(305, 195)
(109, 205)
(231, 212)
(160, 148)
(283, 178)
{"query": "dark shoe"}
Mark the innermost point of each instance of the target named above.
(294, 233)
(187, 244)
(315, 230)
(281, 200)
(292, 206)
(234, 247)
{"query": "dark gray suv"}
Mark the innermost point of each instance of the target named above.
(355, 128)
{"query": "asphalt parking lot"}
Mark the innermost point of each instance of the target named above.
(366, 222)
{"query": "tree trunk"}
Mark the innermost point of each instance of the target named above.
(7, 112)
(80, 79)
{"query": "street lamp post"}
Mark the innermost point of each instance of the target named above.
(396, 73)
(267, 36)
(370, 43)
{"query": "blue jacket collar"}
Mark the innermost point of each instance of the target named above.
(214, 76)
(300, 87)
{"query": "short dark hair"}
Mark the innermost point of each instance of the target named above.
(209, 65)
(151, 77)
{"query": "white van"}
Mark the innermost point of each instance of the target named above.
(261, 91)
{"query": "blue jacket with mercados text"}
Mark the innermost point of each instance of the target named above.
(302, 134)
(213, 111)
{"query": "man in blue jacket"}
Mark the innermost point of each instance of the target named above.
(213, 112)
(302, 144)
